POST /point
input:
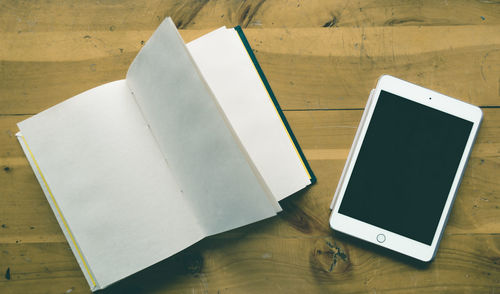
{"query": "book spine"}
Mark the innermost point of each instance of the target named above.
(94, 286)
(263, 78)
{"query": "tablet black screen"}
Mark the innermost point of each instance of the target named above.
(405, 167)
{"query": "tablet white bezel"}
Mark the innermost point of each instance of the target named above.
(369, 232)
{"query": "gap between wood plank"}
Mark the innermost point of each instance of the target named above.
(310, 109)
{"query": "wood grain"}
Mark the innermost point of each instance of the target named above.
(321, 59)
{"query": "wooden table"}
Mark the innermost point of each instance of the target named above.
(321, 58)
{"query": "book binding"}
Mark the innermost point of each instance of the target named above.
(263, 78)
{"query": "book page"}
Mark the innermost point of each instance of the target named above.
(213, 170)
(110, 181)
(226, 66)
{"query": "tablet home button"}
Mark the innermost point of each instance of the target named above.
(381, 238)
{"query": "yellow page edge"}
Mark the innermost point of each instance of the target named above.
(57, 211)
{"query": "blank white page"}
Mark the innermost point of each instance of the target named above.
(232, 77)
(110, 180)
(199, 145)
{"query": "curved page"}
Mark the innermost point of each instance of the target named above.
(198, 143)
(226, 66)
(110, 182)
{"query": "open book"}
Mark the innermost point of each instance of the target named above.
(192, 143)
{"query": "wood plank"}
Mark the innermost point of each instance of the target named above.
(317, 13)
(262, 265)
(307, 68)
(28, 16)
(27, 217)
(318, 69)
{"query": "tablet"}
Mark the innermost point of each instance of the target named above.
(404, 168)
